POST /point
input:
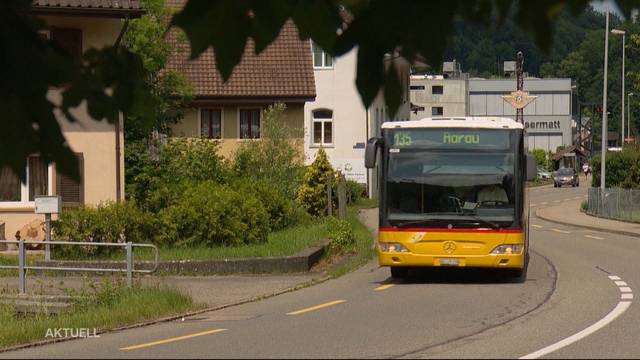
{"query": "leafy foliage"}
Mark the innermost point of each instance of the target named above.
(108, 222)
(209, 214)
(341, 235)
(623, 168)
(276, 157)
(145, 37)
(312, 194)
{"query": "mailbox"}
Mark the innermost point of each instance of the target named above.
(48, 204)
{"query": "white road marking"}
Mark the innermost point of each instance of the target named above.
(560, 231)
(617, 311)
(537, 226)
(625, 289)
(532, 205)
(567, 199)
(627, 296)
(556, 201)
(577, 197)
(621, 283)
(594, 237)
(542, 203)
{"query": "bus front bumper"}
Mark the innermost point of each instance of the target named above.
(419, 260)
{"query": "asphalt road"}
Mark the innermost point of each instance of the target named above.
(570, 290)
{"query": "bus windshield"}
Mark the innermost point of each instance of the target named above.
(454, 176)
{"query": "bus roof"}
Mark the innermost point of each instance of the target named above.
(476, 122)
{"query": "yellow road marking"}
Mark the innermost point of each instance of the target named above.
(170, 340)
(561, 231)
(595, 237)
(384, 287)
(317, 307)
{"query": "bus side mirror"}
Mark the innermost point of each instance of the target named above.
(532, 168)
(370, 152)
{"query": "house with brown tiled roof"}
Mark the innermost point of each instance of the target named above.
(231, 111)
(76, 25)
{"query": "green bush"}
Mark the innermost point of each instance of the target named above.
(108, 222)
(541, 157)
(355, 191)
(623, 169)
(277, 157)
(312, 194)
(210, 214)
(283, 211)
(341, 235)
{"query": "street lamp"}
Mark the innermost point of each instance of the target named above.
(621, 32)
(603, 162)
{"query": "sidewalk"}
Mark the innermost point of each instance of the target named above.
(568, 213)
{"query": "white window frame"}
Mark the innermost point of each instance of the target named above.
(260, 109)
(24, 190)
(323, 66)
(322, 143)
(221, 122)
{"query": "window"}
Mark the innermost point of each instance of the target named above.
(320, 58)
(437, 90)
(322, 127)
(416, 87)
(71, 191)
(437, 110)
(13, 190)
(249, 123)
(211, 123)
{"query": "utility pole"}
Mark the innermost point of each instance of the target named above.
(519, 99)
(603, 161)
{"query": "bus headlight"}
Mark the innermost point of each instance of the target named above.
(508, 249)
(391, 246)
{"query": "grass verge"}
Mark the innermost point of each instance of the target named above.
(362, 251)
(109, 308)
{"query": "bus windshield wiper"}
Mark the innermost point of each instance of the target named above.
(481, 220)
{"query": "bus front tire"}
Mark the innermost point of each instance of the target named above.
(399, 272)
(519, 276)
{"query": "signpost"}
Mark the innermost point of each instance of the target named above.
(519, 99)
(47, 205)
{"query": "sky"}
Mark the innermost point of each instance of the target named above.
(603, 5)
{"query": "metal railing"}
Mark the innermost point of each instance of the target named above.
(615, 203)
(22, 266)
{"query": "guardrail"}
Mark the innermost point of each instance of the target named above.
(22, 266)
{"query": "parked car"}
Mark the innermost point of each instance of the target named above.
(543, 173)
(566, 176)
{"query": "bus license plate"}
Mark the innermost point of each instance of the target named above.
(449, 262)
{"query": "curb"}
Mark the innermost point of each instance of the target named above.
(595, 228)
(173, 317)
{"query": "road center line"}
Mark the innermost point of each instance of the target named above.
(170, 340)
(544, 203)
(594, 237)
(621, 283)
(384, 287)
(560, 231)
(317, 307)
(609, 318)
(578, 197)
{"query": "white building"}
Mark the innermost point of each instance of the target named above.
(338, 121)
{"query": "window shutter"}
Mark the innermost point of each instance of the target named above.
(70, 40)
(71, 192)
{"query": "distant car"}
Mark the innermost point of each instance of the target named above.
(544, 173)
(566, 176)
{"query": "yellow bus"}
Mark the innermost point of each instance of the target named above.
(452, 193)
